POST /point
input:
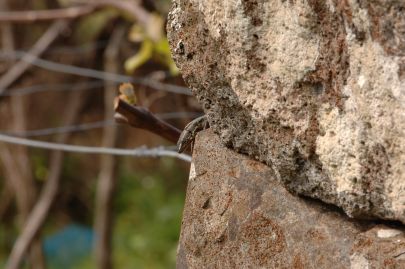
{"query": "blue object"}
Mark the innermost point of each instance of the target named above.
(69, 246)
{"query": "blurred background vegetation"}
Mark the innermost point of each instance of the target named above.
(40, 101)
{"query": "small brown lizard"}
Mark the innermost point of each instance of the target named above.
(125, 106)
(190, 131)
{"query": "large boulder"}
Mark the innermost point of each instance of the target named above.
(315, 89)
(237, 215)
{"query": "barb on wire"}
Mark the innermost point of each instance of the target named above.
(91, 73)
(137, 152)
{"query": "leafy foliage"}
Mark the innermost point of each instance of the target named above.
(148, 222)
(148, 206)
(90, 27)
(154, 44)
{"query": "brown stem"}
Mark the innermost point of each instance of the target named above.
(103, 219)
(21, 156)
(41, 209)
(142, 118)
(30, 16)
(40, 46)
(141, 15)
(7, 196)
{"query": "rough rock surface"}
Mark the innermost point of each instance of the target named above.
(313, 88)
(237, 215)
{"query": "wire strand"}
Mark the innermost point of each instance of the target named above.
(137, 152)
(92, 125)
(91, 73)
(55, 87)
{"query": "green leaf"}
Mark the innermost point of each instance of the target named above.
(136, 33)
(143, 55)
(91, 26)
(162, 49)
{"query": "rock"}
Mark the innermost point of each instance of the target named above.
(315, 89)
(238, 215)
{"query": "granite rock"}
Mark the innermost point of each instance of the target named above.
(238, 215)
(313, 88)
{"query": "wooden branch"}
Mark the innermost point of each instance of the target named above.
(30, 16)
(142, 118)
(40, 211)
(7, 196)
(22, 158)
(40, 46)
(140, 14)
(20, 154)
(103, 217)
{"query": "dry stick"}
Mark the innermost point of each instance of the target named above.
(40, 46)
(21, 157)
(140, 14)
(7, 194)
(142, 118)
(30, 16)
(6, 199)
(13, 175)
(48, 194)
(103, 219)
(22, 154)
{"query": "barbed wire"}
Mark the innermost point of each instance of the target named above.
(92, 125)
(77, 49)
(73, 49)
(137, 152)
(62, 129)
(55, 87)
(92, 73)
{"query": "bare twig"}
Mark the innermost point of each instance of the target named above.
(106, 183)
(40, 46)
(48, 194)
(131, 7)
(142, 118)
(30, 16)
(21, 157)
(7, 196)
(13, 174)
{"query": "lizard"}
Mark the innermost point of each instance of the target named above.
(190, 131)
(186, 137)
